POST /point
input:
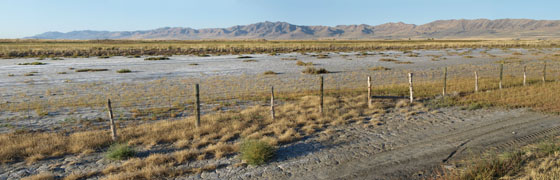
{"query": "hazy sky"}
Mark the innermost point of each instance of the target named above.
(21, 18)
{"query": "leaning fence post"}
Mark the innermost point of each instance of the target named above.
(410, 87)
(475, 81)
(112, 121)
(322, 93)
(197, 104)
(444, 80)
(544, 73)
(369, 91)
(272, 101)
(501, 74)
(524, 75)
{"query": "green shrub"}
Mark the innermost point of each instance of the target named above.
(250, 60)
(312, 70)
(256, 152)
(33, 63)
(61, 73)
(124, 71)
(156, 58)
(104, 57)
(91, 70)
(120, 152)
(56, 59)
(193, 64)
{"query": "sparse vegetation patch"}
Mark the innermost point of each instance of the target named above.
(312, 70)
(379, 68)
(301, 63)
(33, 63)
(124, 71)
(156, 58)
(90, 70)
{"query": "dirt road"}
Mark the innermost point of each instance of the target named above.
(402, 148)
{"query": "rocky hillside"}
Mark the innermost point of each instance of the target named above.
(478, 28)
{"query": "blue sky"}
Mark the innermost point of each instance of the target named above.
(21, 18)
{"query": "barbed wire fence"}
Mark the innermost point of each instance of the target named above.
(176, 99)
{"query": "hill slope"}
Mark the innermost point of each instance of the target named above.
(478, 28)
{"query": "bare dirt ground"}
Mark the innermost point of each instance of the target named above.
(398, 147)
(48, 79)
(404, 149)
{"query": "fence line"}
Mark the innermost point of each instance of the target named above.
(184, 102)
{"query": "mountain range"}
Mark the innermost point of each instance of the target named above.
(440, 29)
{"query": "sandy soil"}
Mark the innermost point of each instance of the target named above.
(179, 67)
(397, 148)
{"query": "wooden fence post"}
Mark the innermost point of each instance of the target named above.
(501, 74)
(444, 81)
(272, 101)
(410, 87)
(322, 93)
(369, 91)
(112, 121)
(524, 75)
(544, 73)
(197, 104)
(475, 81)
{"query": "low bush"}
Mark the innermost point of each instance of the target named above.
(256, 152)
(90, 70)
(244, 57)
(33, 63)
(269, 73)
(388, 60)
(156, 58)
(120, 152)
(311, 70)
(124, 71)
(301, 63)
(379, 68)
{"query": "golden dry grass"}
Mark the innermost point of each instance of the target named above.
(102, 48)
(218, 136)
(40, 176)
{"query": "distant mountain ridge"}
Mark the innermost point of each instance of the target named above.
(444, 29)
